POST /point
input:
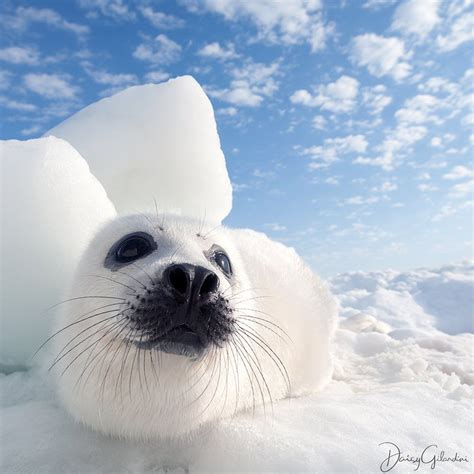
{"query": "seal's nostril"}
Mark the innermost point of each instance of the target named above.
(209, 285)
(178, 279)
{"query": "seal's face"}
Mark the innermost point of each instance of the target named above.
(179, 309)
(170, 324)
(154, 328)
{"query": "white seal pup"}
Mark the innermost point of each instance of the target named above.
(170, 325)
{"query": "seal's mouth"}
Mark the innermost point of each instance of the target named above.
(179, 340)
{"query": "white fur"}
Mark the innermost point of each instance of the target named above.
(165, 395)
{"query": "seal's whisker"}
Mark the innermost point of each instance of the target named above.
(133, 278)
(113, 281)
(205, 236)
(74, 323)
(122, 368)
(119, 323)
(83, 351)
(273, 356)
(86, 297)
(265, 320)
(271, 353)
(152, 362)
(131, 372)
(102, 389)
(122, 326)
(215, 390)
(226, 380)
(254, 363)
(208, 383)
(251, 299)
(209, 361)
(230, 288)
(245, 362)
(145, 272)
(117, 311)
(260, 369)
(144, 371)
(242, 291)
(253, 321)
(236, 376)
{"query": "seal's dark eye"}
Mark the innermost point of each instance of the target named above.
(133, 247)
(222, 260)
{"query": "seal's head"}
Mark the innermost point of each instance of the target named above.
(164, 329)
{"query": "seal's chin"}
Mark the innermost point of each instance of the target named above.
(180, 340)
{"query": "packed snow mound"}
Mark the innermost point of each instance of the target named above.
(418, 301)
(155, 143)
(412, 392)
(51, 205)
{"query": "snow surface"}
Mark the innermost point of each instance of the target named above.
(403, 351)
(51, 204)
(156, 142)
(399, 377)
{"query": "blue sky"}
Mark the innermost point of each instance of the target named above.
(347, 125)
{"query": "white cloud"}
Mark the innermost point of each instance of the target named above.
(444, 99)
(319, 122)
(435, 142)
(237, 187)
(461, 31)
(51, 86)
(160, 50)
(117, 9)
(161, 20)
(417, 17)
(19, 55)
(324, 155)
(438, 84)
(382, 56)
(157, 76)
(376, 4)
(249, 86)
(468, 120)
(287, 22)
(424, 177)
(275, 227)
(459, 172)
(33, 130)
(25, 16)
(338, 96)
(15, 105)
(427, 188)
(359, 200)
(258, 173)
(332, 180)
(107, 78)
(385, 187)
(461, 190)
(228, 111)
(216, 51)
(444, 212)
(375, 98)
(394, 147)
(5, 78)
(418, 110)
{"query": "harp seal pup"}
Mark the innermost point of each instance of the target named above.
(170, 325)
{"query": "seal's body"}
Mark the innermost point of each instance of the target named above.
(170, 325)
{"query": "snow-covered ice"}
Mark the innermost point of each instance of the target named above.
(51, 204)
(156, 142)
(398, 379)
(422, 300)
(402, 353)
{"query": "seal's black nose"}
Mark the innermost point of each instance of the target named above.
(194, 283)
